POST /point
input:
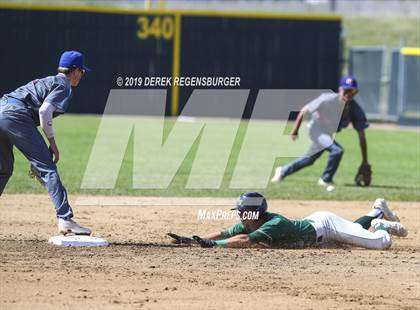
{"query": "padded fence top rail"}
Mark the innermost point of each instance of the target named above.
(208, 13)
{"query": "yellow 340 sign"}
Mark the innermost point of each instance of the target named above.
(157, 27)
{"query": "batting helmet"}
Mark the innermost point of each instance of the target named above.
(251, 201)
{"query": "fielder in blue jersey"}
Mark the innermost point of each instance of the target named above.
(322, 132)
(35, 104)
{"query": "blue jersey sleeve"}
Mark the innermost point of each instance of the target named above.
(358, 117)
(59, 97)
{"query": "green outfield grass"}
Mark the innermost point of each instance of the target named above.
(394, 155)
(381, 31)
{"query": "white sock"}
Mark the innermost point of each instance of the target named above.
(376, 213)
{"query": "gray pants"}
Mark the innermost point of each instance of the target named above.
(17, 128)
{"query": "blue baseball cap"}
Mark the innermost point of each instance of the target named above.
(73, 59)
(348, 82)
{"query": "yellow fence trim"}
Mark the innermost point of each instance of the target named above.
(153, 11)
(410, 51)
(176, 65)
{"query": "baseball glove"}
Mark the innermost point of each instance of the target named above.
(364, 175)
(35, 174)
(180, 239)
(204, 243)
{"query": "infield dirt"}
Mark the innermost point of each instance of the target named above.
(141, 269)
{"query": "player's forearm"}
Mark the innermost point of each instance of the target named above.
(363, 146)
(51, 141)
(45, 119)
(298, 121)
(238, 241)
(213, 236)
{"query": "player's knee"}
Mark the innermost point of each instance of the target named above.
(6, 173)
(309, 161)
(4, 178)
(385, 241)
(51, 177)
(386, 244)
(338, 151)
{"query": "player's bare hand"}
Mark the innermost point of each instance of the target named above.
(54, 153)
(294, 134)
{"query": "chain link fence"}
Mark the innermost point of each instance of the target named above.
(389, 82)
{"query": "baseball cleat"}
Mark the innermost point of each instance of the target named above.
(393, 228)
(329, 185)
(389, 215)
(71, 227)
(277, 175)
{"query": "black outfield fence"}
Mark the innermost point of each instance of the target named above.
(266, 51)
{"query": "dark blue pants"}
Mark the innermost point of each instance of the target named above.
(336, 153)
(18, 129)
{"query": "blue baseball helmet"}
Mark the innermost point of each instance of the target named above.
(251, 201)
(349, 82)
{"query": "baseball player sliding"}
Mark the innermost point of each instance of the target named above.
(21, 111)
(322, 129)
(317, 229)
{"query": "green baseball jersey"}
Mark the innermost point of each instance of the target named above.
(277, 230)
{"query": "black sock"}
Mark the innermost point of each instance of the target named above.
(365, 221)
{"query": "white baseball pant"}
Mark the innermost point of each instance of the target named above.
(331, 227)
